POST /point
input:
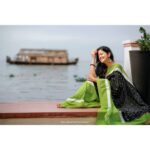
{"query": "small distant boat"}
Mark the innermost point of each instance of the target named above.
(42, 57)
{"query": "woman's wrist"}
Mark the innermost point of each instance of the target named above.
(93, 61)
(92, 64)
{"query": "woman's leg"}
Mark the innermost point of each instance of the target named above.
(85, 96)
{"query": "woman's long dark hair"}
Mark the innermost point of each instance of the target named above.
(100, 67)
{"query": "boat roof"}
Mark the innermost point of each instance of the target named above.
(41, 50)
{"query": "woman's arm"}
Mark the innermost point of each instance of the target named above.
(92, 75)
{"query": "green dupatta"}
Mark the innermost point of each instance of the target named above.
(86, 97)
(108, 113)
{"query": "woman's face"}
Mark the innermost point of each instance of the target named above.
(103, 56)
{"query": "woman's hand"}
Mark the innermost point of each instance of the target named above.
(88, 78)
(93, 53)
(91, 78)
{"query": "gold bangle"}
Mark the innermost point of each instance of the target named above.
(92, 65)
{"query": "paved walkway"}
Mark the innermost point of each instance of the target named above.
(42, 110)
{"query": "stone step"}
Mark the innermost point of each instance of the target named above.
(42, 110)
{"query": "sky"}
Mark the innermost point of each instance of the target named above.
(78, 40)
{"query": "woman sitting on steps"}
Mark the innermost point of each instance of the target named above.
(108, 88)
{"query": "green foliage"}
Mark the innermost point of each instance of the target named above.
(11, 75)
(34, 74)
(79, 79)
(144, 42)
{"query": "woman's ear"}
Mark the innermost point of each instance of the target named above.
(108, 55)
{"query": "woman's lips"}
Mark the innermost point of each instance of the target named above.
(101, 59)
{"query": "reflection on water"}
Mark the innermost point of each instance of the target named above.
(39, 83)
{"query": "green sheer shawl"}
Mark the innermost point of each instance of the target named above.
(87, 97)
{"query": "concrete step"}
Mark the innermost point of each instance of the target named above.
(44, 113)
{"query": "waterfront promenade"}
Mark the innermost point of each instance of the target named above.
(42, 113)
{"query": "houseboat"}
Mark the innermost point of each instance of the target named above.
(42, 57)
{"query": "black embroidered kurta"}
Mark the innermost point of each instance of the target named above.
(126, 98)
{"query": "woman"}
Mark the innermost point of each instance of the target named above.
(109, 88)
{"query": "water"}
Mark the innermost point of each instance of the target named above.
(39, 83)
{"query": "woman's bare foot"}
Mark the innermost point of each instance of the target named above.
(147, 122)
(59, 106)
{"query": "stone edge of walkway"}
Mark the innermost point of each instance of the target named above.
(42, 110)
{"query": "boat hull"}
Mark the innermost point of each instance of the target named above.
(8, 60)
